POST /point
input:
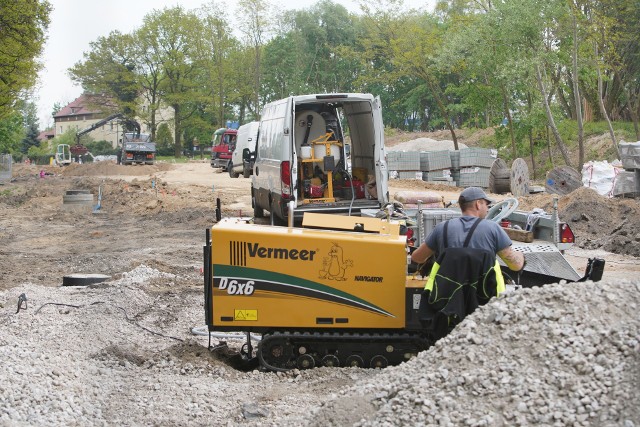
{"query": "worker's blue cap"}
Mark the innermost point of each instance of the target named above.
(473, 193)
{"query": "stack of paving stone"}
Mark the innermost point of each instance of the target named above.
(627, 183)
(470, 166)
(436, 167)
(424, 165)
(404, 164)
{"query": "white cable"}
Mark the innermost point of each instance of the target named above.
(533, 218)
(203, 331)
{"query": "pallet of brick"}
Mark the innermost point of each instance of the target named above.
(483, 157)
(410, 175)
(474, 177)
(439, 175)
(625, 184)
(434, 160)
(455, 175)
(454, 155)
(630, 155)
(403, 160)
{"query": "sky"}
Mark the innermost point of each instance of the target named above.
(76, 23)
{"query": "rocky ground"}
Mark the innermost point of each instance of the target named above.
(124, 352)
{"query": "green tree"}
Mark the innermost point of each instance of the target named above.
(11, 132)
(109, 69)
(30, 123)
(101, 148)
(150, 76)
(328, 33)
(407, 46)
(23, 26)
(172, 33)
(164, 140)
(39, 151)
(214, 49)
(256, 16)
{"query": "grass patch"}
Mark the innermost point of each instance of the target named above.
(172, 159)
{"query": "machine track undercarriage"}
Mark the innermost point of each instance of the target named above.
(282, 351)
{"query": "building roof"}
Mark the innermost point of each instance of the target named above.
(46, 134)
(80, 105)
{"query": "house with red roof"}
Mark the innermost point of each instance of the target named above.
(46, 135)
(84, 112)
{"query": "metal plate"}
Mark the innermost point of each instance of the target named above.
(545, 258)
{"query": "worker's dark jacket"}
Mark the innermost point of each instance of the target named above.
(461, 279)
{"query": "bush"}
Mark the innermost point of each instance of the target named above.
(101, 148)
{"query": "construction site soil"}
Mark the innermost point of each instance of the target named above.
(124, 352)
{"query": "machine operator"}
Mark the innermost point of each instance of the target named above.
(487, 235)
(465, 272)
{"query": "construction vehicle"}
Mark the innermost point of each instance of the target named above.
(339, 291)
(66, 153)
(137, 148)
(63, 155)
(222, 145)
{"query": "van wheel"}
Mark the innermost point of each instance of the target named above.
(246, 171)
(258, 212)
(232, 174)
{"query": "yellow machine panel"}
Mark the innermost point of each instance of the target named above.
(279, 277)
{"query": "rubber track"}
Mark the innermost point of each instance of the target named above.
(323, 339)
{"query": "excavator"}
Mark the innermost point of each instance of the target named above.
(65, 152)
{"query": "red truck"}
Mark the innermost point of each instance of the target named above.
(222, 146)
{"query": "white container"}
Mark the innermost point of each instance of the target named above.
(319, 151)
(305, 152)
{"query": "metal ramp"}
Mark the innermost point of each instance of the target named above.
(545, 258)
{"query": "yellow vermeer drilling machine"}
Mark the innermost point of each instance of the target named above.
(336, 292)
(319, 295)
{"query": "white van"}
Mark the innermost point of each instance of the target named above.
(244, 154)
(301, 156)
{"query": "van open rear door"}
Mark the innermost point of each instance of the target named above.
(379, 154)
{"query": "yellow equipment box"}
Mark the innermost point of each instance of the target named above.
(279, 277)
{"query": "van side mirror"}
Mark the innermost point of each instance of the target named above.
(246, 155)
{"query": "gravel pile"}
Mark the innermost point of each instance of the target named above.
(562, 355)
(122, 353)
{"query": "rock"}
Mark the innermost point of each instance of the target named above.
(253, 410)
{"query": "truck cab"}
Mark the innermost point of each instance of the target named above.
(222, 145)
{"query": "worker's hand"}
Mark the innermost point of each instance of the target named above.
(524, 263)
(421, 254)
(513, 258)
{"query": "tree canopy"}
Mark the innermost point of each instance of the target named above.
(528, 64)
(23, 26)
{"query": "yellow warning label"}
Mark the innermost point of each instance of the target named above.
(251, 315)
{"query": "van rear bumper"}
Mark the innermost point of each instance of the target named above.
(340, 207)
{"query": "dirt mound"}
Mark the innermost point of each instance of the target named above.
(598, 222)
(107, 168)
